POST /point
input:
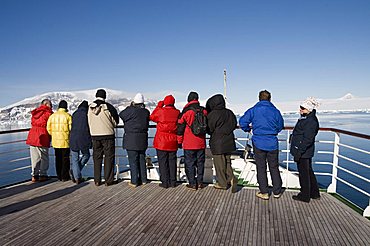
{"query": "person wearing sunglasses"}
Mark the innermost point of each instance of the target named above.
(302, 148)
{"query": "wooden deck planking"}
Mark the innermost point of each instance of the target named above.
(63, 213)
(351, 230)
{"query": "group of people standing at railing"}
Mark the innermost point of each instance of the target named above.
(92, 126)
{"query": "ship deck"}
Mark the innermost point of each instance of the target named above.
(62, 213)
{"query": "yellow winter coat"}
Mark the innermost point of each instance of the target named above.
(59, 125)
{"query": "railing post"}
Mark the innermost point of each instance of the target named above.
(115, 156)
(367, 211)
(287, 158)
(333, 186)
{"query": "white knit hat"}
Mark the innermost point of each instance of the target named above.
(310, 103)
(139, 98)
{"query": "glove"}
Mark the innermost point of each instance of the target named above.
(160, 104)
(297, 157)
(179, 146)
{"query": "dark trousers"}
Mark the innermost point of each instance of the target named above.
(307, 179)
(272, 158)
(194, 165)
(136, 159)
(106, 148)
(167, 167)
(62, 163)
(224, 171)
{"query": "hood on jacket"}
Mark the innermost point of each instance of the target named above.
(38, 112)
(96, 106)
(169, 100)
(84, 104)
(216, 102)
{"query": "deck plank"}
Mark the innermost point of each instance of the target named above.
(55, 213)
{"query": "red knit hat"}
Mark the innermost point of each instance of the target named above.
(169, 100)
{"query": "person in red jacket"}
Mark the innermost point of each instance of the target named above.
(194, 145)
(39, 141)
(165, 140)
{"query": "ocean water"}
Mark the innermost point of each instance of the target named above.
(355, 122)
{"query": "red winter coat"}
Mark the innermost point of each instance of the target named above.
(166, 119)
(38, 135)
(189, 140)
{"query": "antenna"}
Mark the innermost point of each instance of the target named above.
(225, 84)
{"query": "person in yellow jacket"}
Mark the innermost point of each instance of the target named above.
(59, 126)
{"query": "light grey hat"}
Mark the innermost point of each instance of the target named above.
(310, 104)
(139, 98)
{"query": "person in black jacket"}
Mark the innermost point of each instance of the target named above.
(303, 147)
(221, 125)
(135, 138)
(80, 141)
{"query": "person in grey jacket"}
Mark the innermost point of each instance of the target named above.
(135, 138)
(103, 118)
(302, 147)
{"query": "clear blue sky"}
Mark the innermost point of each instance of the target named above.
(293, 48)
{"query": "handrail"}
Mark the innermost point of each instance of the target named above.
(15, 131)
(329, 129)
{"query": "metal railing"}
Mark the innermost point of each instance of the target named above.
(346, 168)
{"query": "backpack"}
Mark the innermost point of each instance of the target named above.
(199, 126)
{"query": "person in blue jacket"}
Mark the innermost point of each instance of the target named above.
(80, 142)
(135, 139)
(265, 120)
(302, 147)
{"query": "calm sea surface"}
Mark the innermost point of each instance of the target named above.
(16, 156)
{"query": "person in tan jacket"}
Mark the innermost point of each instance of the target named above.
(103, 118)
(59, 126)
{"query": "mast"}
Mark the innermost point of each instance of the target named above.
(225, 84)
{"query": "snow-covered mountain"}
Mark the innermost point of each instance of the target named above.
(19, 113)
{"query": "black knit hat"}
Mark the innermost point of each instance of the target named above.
(101, 93)
(193, 96)
(62, 104)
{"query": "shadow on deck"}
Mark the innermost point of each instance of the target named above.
(60, 213)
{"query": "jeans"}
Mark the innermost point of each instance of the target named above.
(136, 159)
(273, 161)
(194, 165)
(78, 163)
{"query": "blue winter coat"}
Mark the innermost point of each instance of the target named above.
(80, 138)
(303, 136)
(136, 123)
(266, 121)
